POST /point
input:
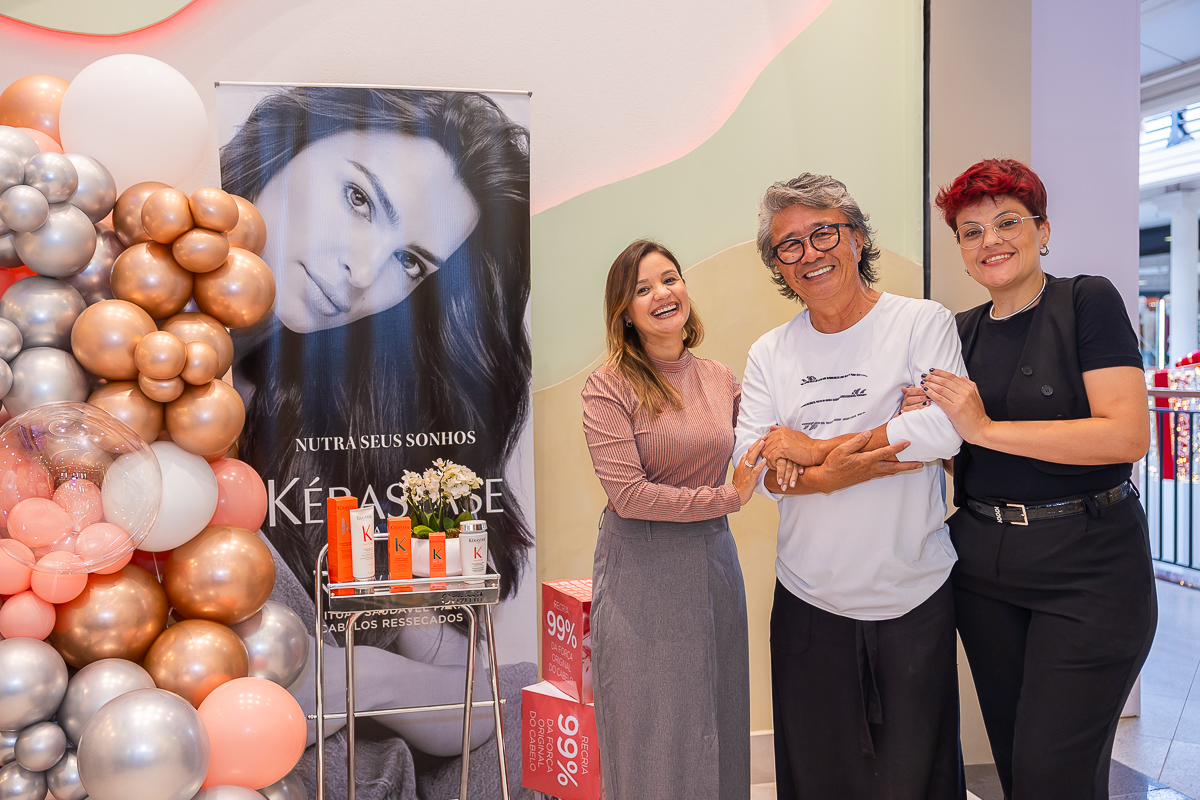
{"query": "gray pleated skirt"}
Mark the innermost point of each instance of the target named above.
(670, 661)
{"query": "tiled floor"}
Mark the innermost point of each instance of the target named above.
(1156, 755)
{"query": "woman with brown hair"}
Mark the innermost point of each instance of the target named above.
(669, 637)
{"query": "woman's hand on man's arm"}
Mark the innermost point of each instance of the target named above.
(848, 463)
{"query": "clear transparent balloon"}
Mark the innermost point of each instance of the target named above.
(101, 474)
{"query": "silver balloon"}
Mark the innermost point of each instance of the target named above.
(277, 642)
(97, 192)
(61, 247)
(6, 378)
(10, 338)
(95, 685)
(53, 175)
(63, 779)
(44, 375)
(227, 792)
(8, 746)
(40, 746)
(290, 787)
(33, 680)
(94, 283)
(18, 783)
(8, 252)
(44, 310)
(24, 208)
(11, 170)
(20, 143)
(145, 745)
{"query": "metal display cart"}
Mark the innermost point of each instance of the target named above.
(471, 595)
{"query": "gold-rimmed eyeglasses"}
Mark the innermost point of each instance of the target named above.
(1007, 226)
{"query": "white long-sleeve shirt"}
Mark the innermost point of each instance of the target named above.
(878, 549)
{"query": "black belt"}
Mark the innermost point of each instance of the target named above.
(1023, 514)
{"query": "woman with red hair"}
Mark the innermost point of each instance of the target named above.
(1054, 589)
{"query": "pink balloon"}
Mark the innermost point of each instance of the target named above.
(26, 614)
(241, 495)
(100, 541)
(80, 498)
(20, 479)
(15, 569)
(257, 732)
(58, 577)
(44, 142)
(38, 522)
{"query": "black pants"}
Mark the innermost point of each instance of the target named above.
(865, 710)
(1057, 619)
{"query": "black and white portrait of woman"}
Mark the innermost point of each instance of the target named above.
(398, 235)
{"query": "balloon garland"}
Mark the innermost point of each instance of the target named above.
(127, 535)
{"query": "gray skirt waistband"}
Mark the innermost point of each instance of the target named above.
(613, 523)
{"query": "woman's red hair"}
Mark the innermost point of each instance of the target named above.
(992, 177)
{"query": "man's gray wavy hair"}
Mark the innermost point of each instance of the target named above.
(814, 191)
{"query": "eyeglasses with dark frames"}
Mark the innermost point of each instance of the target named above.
(823, 239)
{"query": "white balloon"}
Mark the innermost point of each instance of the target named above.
(189, 495)
(227, 793)
(137, 116)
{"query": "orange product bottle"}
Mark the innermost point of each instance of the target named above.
(399, 551)
(437, 558)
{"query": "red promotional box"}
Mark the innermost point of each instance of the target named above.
(567, 637)
(559, 751)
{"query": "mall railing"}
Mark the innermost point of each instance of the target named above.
(1169, 476)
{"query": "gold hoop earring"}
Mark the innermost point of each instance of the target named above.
(1045, 250)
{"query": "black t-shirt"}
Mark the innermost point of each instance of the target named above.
(1104, 337)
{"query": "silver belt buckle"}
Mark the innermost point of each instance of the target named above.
(1024, 514)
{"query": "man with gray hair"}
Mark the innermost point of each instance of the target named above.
(863, 657)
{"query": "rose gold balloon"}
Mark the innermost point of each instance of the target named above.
(200, 250)
(127, 214)
(251, 231)
(147, 274)
(116, 616)
(105, 336)
(160, 355)
(161, 391)
(195, 656)
(238, 293)
(206, 418)
(192, 326)
(224, 574)
(201, 365)
(214, 209)
(33, 102)
(167, 215)
(125, 401)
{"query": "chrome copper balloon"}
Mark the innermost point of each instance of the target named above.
(148, 275)
(33, 680)
(238, 293)
(63, 779)
(94, 281)
(145, 745)
(11, 340)
(44, 310)
(97, 191)
(127, 213)
(166, 215)
(105, 336)
(95, 685)
(125, 401)
(206, 419)
(276, 640)
(251, 230)
(40, 746)
(116, 616)
(195, 656)
(224, 574)
(192, 326)
(23, 208)
(214, 209)
(63, 246)
(18, 783)
(45, 375)
(200, 250)
(161, 391)
(53, 175)
(160, 356)
(201, 365)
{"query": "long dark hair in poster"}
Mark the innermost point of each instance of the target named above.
(398, 235)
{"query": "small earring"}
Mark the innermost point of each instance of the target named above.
(967, 271)
(1045, 250)
(628, 323)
